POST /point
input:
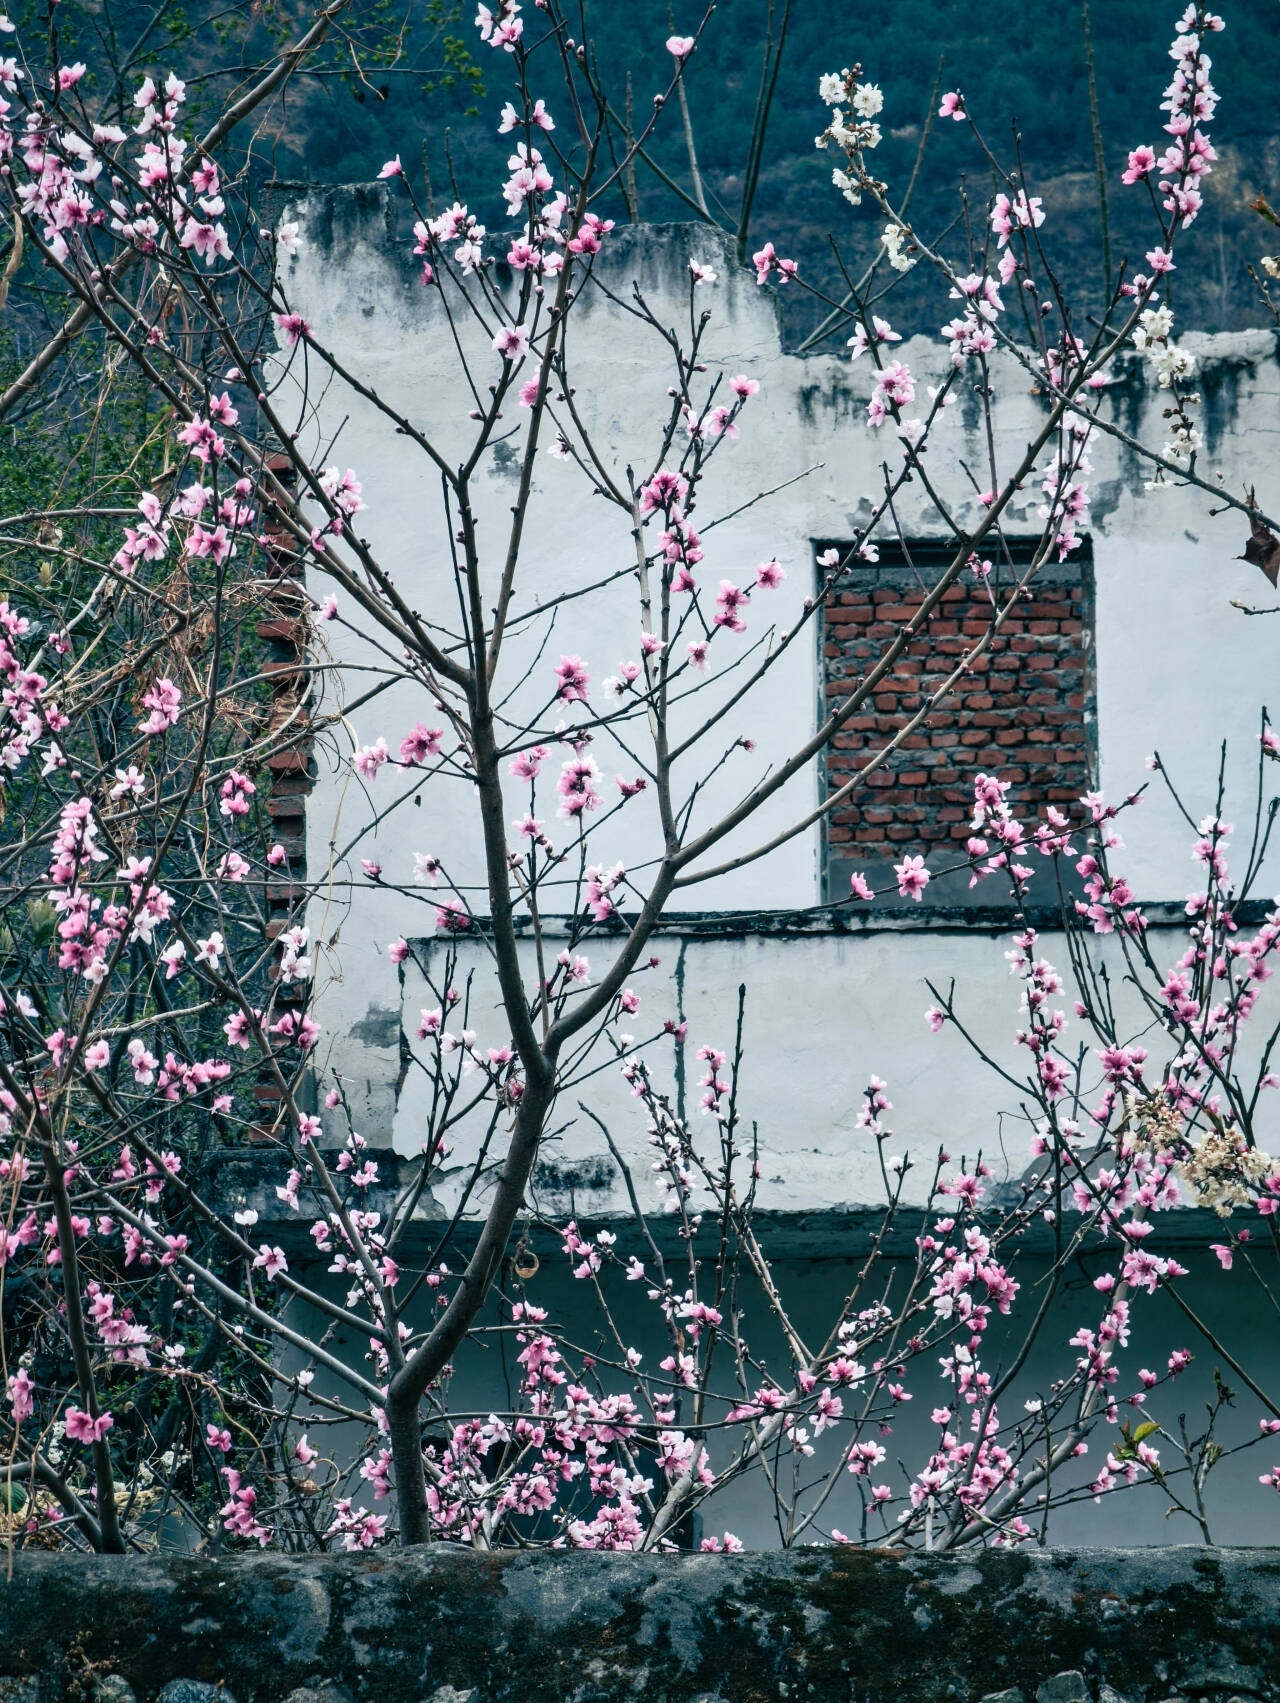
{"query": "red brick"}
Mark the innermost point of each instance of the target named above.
(1017, 710)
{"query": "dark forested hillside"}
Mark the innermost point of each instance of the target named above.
(1023, 71)
(417, 81)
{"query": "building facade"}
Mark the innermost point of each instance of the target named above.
(1135, 644)
(1132, 646)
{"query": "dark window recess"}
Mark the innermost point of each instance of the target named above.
(1025, 713)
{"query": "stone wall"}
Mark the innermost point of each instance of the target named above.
(1089, 1626)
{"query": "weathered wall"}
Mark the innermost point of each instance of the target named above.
(1115, 1626)
(1176, 668)
(827, 1007)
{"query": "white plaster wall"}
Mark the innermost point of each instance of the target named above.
(823, 1014)
(1178, 669)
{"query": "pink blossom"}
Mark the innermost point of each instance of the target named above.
(525, 766)
(451, 917)
(571, 671)
(236, 1029)
(578, 787)
(209, 952)
(538, 115)
(894, 387)
(718, 422)
(1019, 212)
(143, 1063)
(680, 46)
(238, 1513)
(912, 876)
(729, 600)
(356, 1529)
(164, 700)
(860, 886)
(881, 332)
(370, 758)
(504, 31)
(21, 1390)
(591, 234)
(664, 491)
(174, 958)
(952, 106)
(1142, 161)
(270, 1260)
(420, 743)
(512, 342)
(293, 325)
(235, 793)
(766, 260)
(84, 1428)
(393, 168)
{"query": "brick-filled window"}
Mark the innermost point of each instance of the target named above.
(1025, 713)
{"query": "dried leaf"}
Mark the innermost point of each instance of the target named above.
(15, 260)
(1263, 548)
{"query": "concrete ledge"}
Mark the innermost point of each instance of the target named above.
(248, 1176)
(443, 1626)
(969, 915)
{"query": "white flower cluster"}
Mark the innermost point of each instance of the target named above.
(857, 135)
(1224, 1171)
(1154, 337)
(893, 238)
(1185, 440)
